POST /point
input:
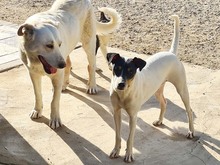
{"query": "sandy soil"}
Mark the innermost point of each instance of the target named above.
(146, 26)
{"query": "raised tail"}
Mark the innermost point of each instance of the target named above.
(112, 25)
(176, 35)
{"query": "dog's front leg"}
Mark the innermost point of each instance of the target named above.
(117, 118)
(129, 151)
(36, 81)
(57, 81)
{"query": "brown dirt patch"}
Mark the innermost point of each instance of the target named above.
(146, 26)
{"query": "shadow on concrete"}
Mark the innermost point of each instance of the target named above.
(85, 150)
(14, 149)
(147, 132)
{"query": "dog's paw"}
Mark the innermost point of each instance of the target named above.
(128, 157)
(157, 123)
(92, 90)
(190, 135)
(115, 153)
(55, 123)
(35, 114)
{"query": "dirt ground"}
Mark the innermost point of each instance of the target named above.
(146, 27)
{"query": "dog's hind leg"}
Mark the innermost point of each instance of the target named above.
(66, 73)
(92, 88)
(88, 40)
(182, 90)
(104, 40)
(184, 94)
(36, 81)
(160, 97)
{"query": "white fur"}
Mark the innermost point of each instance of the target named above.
(115, 21)
(161, 67)
(63, 26)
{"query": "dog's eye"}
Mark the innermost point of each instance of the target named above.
(118, 68)
(50, 46)
(60, 44)
(130, 70)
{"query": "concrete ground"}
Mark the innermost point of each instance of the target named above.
(87, 135)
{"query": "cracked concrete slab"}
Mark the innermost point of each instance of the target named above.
(87, 135)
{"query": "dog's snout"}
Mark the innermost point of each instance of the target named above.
(62, 65)
(121, 86)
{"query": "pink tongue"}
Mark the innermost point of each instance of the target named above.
(47, 67)
(53, 70)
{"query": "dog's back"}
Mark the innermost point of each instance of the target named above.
(161, 65)
(70, 5)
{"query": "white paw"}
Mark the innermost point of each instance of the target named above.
(157, 123)
(129, 157)
(115, 153)
(92, 90)
(55, 123)
(190, 135)
(35, 114)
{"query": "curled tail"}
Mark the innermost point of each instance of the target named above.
(112, 25)
(176, 35)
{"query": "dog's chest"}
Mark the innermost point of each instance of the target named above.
(127, 101)
(37, 68)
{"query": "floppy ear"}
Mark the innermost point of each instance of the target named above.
(139, 63)
(112, 57)
(27, 31)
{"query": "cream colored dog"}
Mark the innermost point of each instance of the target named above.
(134, 81)
(47, 39)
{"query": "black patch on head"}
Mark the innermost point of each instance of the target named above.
(113, 57)
(139, 63)
(124, 68)
(127, 69)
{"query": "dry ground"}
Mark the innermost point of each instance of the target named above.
(146, 27)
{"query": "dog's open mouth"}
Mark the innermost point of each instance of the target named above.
(47, 67)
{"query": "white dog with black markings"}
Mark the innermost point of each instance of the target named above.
(47, 39)
(134, 81)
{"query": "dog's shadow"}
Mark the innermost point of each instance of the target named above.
(84, 149)
(147, 133)
(173, 112)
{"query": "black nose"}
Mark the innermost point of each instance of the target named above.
(62, 65)
(121, 86)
